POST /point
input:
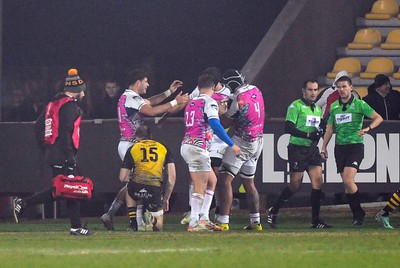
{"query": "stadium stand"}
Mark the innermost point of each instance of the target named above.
(396, 75)
(362, 91)
(378, 66)
(392, 40)
(366, 39)
(376, 45)
(351, 65)
(383, 10)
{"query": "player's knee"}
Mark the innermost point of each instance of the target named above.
(157, 220)
(226, 171)
(246, 177)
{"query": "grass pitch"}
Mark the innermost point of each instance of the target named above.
(47, 243)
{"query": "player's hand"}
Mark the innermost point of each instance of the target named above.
(222, 107)
(363, 131)
(175, 85)
(236, 149)
(166, 205)
(182, 98)
(324, 155)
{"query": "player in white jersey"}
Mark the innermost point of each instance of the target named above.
(131, 109)
(201, 120)
(246, 113)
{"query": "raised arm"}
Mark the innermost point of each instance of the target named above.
(149, 110)
(156, 99)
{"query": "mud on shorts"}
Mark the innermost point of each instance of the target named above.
(198, 159)
(246, 163)
(301, 157)
(149, 194)
(348, 155)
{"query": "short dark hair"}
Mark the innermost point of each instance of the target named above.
(215, 72)
(111, 80)
(344, 78)
(143, 132)
(312, 80)
(135, 75)
(205, 81)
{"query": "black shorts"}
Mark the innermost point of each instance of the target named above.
(349, 155)
(301, 157)
(151, 195)
(216, 162)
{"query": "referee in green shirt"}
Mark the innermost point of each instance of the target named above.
(346, 119)
(302, 123)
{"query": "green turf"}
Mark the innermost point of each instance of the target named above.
(48, 244)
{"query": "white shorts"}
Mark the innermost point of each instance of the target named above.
(198, 159)
(217, 147)
(246, 163)
(123, 147)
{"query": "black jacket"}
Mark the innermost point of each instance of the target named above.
(388, 107)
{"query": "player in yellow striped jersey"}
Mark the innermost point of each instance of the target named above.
(147, 159)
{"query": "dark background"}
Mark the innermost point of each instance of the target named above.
(171, 39)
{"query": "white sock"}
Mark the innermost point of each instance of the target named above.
(205, 209)
(191, 191)
(139, 215)
(197, 202)
(223, 219)
(255, 218)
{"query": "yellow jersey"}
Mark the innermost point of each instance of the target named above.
(147, 159)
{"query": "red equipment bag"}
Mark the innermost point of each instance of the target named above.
(74, 187)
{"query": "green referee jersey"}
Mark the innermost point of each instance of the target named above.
(306, 120)
(349, 122)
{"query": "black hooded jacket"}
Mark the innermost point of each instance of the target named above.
(388, 107)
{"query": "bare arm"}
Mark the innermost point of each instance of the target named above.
(177, 108)
(327, 138)
(376, 121)
(124, 175)
(149, 110)
(169, 186)
(155, 100)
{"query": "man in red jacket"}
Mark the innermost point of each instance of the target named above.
(61, 120)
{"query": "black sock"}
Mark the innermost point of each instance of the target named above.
(285, 195)
(354, 203)
(42, 197)
(132, 218)
(316, 197)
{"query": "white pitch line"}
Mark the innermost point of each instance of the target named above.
(53, 252)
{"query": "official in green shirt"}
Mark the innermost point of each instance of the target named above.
(302, 123)
(346, 119)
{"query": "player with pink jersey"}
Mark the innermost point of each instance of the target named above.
(246, 112)
(131, 109)
(217, 147)
(202, 121)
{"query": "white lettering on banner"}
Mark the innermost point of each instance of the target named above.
(388, 157)
(269, 173)
(380, 164)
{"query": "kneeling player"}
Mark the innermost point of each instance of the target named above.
(146, 159)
